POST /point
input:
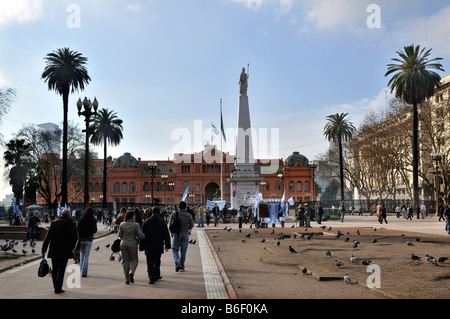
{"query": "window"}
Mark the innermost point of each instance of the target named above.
(197, 188)
(278, 187)
(146, 187)
(299, 186)
(291, 186)
(158, 187)
(132, 187)
(306, 186)
(91, 187)
(124, 187)
(116, 187)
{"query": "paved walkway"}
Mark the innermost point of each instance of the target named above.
(204, 277)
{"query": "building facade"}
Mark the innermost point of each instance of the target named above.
(134, 181)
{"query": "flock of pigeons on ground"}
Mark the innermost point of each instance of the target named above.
(10, 245)
(280, 236)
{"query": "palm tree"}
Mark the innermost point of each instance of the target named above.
(13, 156)
(339, 129)
(65, 73)
(107, 129)
(414, 82)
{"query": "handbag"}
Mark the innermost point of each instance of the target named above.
(115, 247)
(43, 268)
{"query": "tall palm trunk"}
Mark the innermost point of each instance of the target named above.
(341, 167)
(64, 150)
(415, 156)
(104, 171)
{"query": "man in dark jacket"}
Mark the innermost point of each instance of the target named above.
(156, 239)
(61, 237)
(181, 240)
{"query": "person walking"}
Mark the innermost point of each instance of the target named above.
(342, 212)
(423, 210)
(181, 239)
(409, 212)
(86, 227)
(215, 212)
(200, 215)
(307, 215)
(319, 213)
(157, 238)
(441, 213)
(33, 227)
(129, 233)
(60, 241)
(383, 214)
(207, 215)
(301, 215)
(447, 219)
(241, 215)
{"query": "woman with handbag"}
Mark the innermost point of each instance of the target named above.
(87, 227)
(130, 232)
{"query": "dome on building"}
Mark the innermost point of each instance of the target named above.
(126, 158)
(296, 157)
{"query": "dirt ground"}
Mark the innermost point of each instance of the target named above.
(268, 270)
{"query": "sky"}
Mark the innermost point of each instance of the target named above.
(164, 66)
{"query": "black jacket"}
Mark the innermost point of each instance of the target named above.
(157, 235)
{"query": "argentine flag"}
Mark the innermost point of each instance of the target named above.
(214, 128)
(186, 193)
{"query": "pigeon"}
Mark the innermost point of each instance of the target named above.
(323, 227)
(355, 243)
(190, 242)
(374, 240)
(295, 236)
(442, 259)
(24, 243)
(433, 261)
(409, 243)
(98, 247)
(366, 262)
(263, 240)
(229, 229)
(357, 232)
(347, 278)
(225, 228)
(278, 243)
(304, 270)
(14, 251)
(353, 260)
(273, 232)
(417, 239)
(24, 251)
(33, 250)
(107, 246)
(193, 242)
(347, 239)
(292, 226)
(414, 257)
(244, 240)
(248, 235)
(292, 250)
(218, 248)
(329, 228)
(338, 263)
(328, 253)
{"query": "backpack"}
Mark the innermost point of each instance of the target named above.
(175, 225)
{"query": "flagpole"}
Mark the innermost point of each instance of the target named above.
(221, 158)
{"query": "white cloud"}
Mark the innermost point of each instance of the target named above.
(134, 7)
(20, 11)
(431, 32)
(284, 5)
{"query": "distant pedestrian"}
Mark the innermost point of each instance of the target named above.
(342, 212)
(409, 212)
(241, 215)
(33, 227)
(181, 240)
(215, 212)
(129, 232)
(200, 216)
(418, 211)
(319, 213)
(86, 227)
(207, 215)
(383, 214)
(447, 219)
(301, 215)
(441, 213)
(307, 215)
(157, 238)
(60, 241)
(423, 210)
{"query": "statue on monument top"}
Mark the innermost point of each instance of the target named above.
(243, 83)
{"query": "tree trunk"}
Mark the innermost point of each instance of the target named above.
(415, 156)
(341, 167)
(104, 172)
(64, 151)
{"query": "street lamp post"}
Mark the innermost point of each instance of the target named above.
(313, 165)
(152, 167)
(436, 156)
(87, 113)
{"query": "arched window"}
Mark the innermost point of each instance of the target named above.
(158, 187)
(146, 187)
(116, 187)
(132, 187)
(124, 187)
(299, 186)
(291, 186)
(306, 186)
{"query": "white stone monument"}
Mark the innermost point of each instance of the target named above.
(244, 179)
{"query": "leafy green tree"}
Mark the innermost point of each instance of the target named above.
(14, 155)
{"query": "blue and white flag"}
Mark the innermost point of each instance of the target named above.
(15, 208)
(186, 192)
(221, 124)
(284, 196)
(291, 201)
(214, 128)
